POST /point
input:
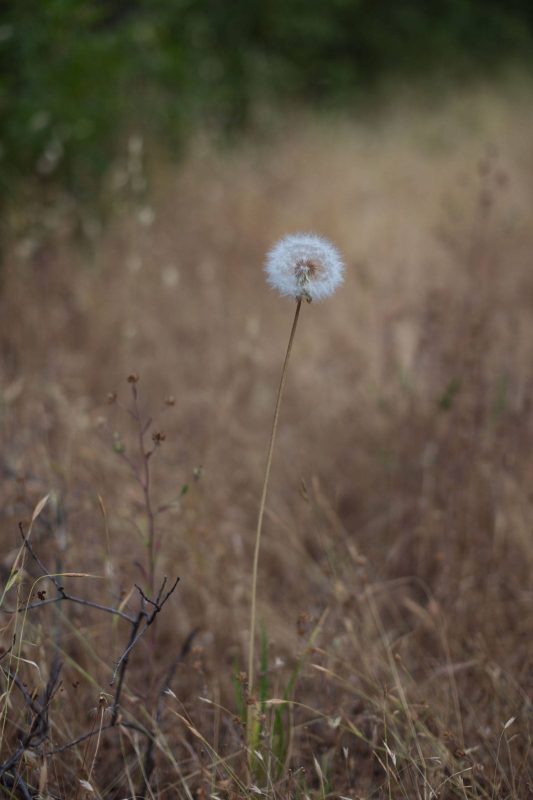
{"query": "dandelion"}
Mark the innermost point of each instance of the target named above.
(305, 267)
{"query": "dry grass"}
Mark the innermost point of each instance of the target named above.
(397, 555)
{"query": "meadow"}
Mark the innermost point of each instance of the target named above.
(137, 385)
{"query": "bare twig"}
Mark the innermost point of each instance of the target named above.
(38, 730)
(28, 699)
(91, 734)
(80, 600)
(62, 594)
(148, 620)
(122, 666)
(15, 783)
(143, 428)
(10, 648)
(139, 624)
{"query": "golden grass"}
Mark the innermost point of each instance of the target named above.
(396, 562)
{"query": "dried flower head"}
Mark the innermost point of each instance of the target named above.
(304, 266)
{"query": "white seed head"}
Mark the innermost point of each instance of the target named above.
(304, 266)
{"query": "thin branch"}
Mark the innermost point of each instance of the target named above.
(148, 621)
(10, 648)
(11, 783)
(35, 557)
(110, 726)
(145, 483)
(133, 468)
(122, 666)
(62, 594)
(73, 599)
(38, 730)
(155, 603)
(28, 699)
(145, 598)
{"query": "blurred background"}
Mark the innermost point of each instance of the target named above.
(78, 78)
(151, 152)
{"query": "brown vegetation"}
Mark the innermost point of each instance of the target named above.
(397, 555)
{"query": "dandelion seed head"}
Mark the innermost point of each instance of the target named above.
(304, 266)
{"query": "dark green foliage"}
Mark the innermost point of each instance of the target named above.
(76, 75)
(449, 395)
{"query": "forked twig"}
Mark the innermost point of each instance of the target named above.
(148, 620)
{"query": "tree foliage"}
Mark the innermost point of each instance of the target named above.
(76, 74)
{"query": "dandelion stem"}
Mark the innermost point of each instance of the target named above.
(261, 515)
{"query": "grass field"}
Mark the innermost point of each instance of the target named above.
(395, 590)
